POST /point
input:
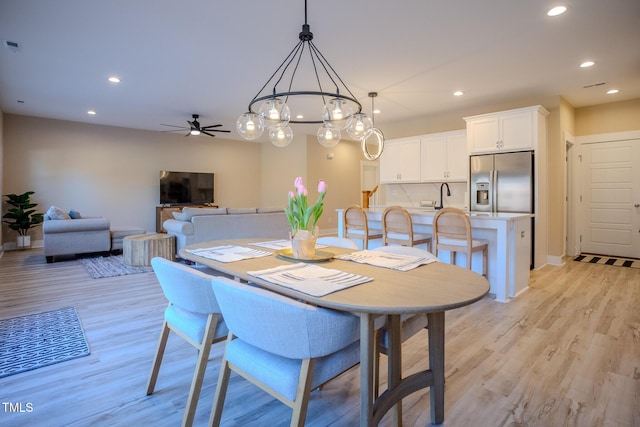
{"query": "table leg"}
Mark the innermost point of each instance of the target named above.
(436, 365)
(394, 360)
(366, 369)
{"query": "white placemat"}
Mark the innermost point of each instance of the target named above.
(229, 253)
(310, 278)
(388, 260)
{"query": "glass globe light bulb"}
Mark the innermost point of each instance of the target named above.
(336, 113)
(275, 113)
(250, 126)
(281, 136)
(359, 125)
(328, 136)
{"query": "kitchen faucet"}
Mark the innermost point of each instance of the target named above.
(448, 195)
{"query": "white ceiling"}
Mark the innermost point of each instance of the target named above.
(211, 57)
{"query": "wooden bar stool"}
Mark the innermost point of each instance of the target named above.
(452, 232)
(356, 226)
(397, 227)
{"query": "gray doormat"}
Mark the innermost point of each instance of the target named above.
(43, 339)
(607, 260)
(110, 266)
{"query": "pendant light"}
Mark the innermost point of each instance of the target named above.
(373, 136)
(338, 110)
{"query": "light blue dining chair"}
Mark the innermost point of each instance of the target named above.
(340, 242)
(285, 347)
(194, 315)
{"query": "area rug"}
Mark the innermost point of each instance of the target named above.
(605, 260)
(110, 266)
(37, 340)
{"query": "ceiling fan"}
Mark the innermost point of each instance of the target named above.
(195, 128)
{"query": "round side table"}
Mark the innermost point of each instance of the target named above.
(137, 250)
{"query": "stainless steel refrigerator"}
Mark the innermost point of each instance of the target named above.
(502, 182)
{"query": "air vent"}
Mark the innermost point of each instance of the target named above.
(12, 46)
(594, 85)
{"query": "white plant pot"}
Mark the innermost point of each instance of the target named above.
(23, 242)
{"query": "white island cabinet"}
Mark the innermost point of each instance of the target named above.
(509, 236)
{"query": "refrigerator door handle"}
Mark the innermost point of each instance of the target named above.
(494, 190)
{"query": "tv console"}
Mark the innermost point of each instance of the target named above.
(165, 212)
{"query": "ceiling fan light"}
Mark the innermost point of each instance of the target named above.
(280, 136)
(359, 125)
(275, 113)
(195, 132)
(328, 136)
(250, 126)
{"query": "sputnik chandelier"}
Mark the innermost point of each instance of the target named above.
(340, 110)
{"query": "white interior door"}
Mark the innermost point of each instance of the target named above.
(611, 198)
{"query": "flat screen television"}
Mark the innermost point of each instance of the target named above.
(186, 188)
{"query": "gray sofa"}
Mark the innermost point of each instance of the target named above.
(75, 236)
(195, 225)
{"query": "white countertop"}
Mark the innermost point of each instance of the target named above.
(430, 212)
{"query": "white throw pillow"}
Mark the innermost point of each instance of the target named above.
(55, 212)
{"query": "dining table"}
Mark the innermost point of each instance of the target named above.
(429, 289)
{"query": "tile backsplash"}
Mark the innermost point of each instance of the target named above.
(410, 195)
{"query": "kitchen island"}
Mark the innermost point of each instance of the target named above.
(509, 237)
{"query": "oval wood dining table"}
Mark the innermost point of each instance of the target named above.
(431, 289)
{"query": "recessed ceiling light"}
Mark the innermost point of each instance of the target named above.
(299, 116)
(587, 64)
(91, 113)
(458, 93)
(612, 91)
(558, 10)
(376, 111)
(114, 79)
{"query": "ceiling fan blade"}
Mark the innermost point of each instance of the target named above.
(218, 130)
(174, 126)
(210, 126)
(207, 133)
(188, 133)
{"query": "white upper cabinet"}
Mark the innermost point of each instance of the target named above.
(444, 157)
(512, 130)
(400, 161)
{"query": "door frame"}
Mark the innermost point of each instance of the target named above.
(576, 184)
(571, 246)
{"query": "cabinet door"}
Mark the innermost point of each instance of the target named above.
(483, 134)
(516, 131)
(434, 155)
(400, 161)
(457, 157)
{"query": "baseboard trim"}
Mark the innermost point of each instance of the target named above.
(555, 260)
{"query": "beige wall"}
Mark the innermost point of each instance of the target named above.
(114, 172)
(341, 173)
(608, 118)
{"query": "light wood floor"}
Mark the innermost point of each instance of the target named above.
(564, 353)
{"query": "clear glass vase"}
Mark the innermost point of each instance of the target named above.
(303, 244)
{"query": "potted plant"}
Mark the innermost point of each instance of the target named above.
(22, 217)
